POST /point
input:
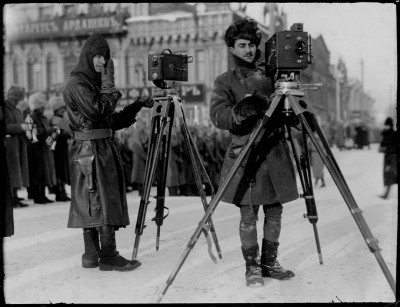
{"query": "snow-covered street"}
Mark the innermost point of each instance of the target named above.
(43, 258)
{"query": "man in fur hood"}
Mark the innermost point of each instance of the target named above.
(98, 199)
(266, 178)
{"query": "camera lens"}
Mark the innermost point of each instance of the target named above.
(301, 47)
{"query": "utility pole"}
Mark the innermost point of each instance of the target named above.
(339, 77)
(362, 73)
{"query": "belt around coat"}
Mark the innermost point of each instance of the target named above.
(93, 134)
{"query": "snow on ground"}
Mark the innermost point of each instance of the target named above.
(43, 258)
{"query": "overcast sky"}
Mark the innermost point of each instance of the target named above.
(354, 31)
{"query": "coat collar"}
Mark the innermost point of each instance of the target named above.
(243, 68)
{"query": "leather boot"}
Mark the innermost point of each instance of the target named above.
(64, 193)
(253, 271)
(43, 194)
(269, 265)
(90, 259)
(37, 195)
(173, 191)
(110, 259)
(386, 193)
(16, 201)
(61, 194)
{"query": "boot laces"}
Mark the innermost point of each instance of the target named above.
(253, 271)
(274, 266)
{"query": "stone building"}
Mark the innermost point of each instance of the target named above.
(43, 48)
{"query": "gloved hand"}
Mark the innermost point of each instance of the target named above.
(107, 78)
(146, 101)
(254, 105)
(134, 107)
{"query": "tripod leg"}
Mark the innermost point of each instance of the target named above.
(309, 198)
(158, 125)
(326, 155)
(192, 151)
(303, 167)
(258, 130)
(162, 179)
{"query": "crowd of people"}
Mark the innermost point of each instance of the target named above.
(36, 146)
(210, 143)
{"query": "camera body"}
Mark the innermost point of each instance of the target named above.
(168, 66)
(288, 50)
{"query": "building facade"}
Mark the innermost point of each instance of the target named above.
(43, 43)
(42, 49)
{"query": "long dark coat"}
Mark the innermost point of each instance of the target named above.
(389, 142)
(139, 146)
(6, 205)
(39, 152)
(61, 154)
(88, 109)
(267, 174)
(175, 173)
(16, 146)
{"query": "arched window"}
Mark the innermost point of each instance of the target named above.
(17, 72)
(117, 69)
(130, 68)
(34, 74)
(200, 66)
(70, 62)
(140, 75)
(51, 71)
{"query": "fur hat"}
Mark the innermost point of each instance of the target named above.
(23, 105)
(56, 103)
(16, 93)
(389, 122)
(244, 28)
(37, 100)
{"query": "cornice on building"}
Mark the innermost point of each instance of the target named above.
(178, 26)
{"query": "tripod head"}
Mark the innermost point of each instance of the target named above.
(288, 83)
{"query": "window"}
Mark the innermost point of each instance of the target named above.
(34, 75)
(130, 69)
(200, 65)
(96, 9)
(51, 72)
(45, 12)
(71, 10)
(117, 75)
(70, 62)
(17, 72)
(140, 75)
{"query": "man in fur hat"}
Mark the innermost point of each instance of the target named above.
(16, 143)
(266, 178)
(98, 192)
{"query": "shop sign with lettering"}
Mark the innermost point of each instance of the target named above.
(64, 27)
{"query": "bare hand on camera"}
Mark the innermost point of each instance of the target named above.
(107, 78)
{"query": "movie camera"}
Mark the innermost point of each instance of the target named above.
(166, 66)
(288, 51)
